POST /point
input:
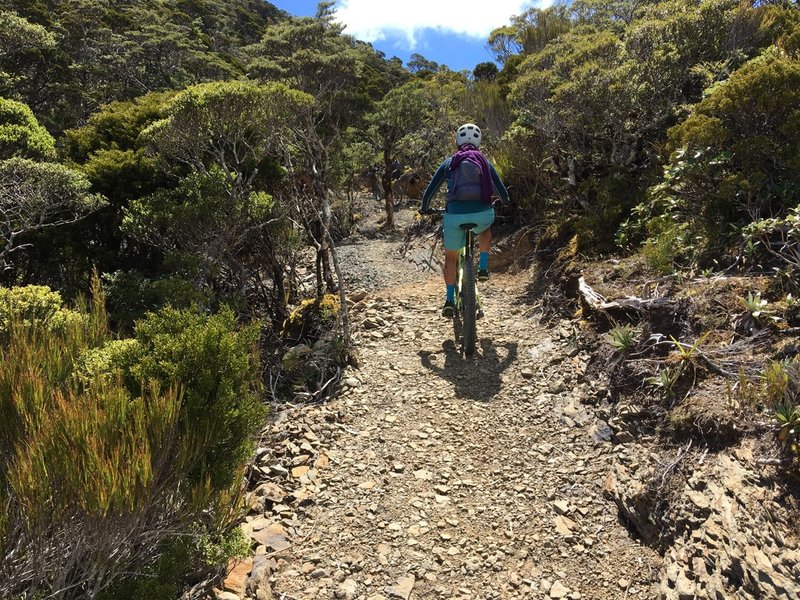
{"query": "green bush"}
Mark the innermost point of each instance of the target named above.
(609, 197)
(216, 363)
(729, 166)
(34, 304)
(21, 135)
(623, 337)
(118, 452)
(131, 295)
(312, 319)
(781, 393)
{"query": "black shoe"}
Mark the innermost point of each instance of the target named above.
(449, 309)
(479, 314)
(483, 274)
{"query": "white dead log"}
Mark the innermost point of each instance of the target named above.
(597, 302)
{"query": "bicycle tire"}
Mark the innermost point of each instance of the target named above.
(469, 308)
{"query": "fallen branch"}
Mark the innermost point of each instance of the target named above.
(597, 302)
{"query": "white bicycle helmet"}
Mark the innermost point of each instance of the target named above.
(469, 133)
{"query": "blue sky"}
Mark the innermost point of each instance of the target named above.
(452, 33)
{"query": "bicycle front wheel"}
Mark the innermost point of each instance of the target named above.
(469, 307)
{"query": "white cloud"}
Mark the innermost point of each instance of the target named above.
(374, 20)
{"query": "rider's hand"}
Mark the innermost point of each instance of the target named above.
(501, 202)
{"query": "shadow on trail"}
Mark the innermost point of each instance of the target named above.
(478, 378)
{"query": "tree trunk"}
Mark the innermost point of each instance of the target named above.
(325, 245)
(319, 177)
(387, 189)
(343, 310)
(279, 307)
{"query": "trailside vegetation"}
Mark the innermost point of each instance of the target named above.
(120, 455)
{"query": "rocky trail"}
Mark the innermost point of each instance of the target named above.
(434, 476)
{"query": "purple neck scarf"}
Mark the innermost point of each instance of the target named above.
(473, 155)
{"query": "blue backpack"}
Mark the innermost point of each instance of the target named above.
(466, 182)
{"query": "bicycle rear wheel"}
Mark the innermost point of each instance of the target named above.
(469, 307)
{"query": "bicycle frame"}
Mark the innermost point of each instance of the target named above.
(467, 303)
(466, 253)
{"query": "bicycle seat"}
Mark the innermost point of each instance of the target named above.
(468, 226)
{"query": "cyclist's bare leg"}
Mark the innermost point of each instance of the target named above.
(450, 260)
(485, 240)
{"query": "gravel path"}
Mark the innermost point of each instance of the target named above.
(434, 476)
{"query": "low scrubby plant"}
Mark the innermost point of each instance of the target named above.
(623, 337)
(777, 390)
(119, 456)
(745, 395)
(756, 314)
(781, 392)
(686, 352)
(664, 382)
(754, 304)
(779, 238)
(315, 353)
(34, 304)
(313, 318)
(788, 416)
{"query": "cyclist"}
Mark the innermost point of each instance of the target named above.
(470, 179)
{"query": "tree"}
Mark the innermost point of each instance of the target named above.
(729, 167)
(109, 152)
(608, 14)
(503, 43)
(34, 196)
(485, 71)
(420, 65)
(313, 56)
(596, 94)
(602, 97)
(21, 135)
(18, 37)
(537, 27)
(109, 51)
(529, 32)
(232, 138)
(398, 115)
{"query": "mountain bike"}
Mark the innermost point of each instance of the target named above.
(468, 306)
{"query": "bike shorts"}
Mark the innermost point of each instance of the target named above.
(454, 236)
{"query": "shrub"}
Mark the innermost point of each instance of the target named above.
(317, 352)
(730, 166)
(781, 390)
(131, 295)
(217, 365)
(34, 304)
(312, 319)
(120, 456)
(21, 135)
